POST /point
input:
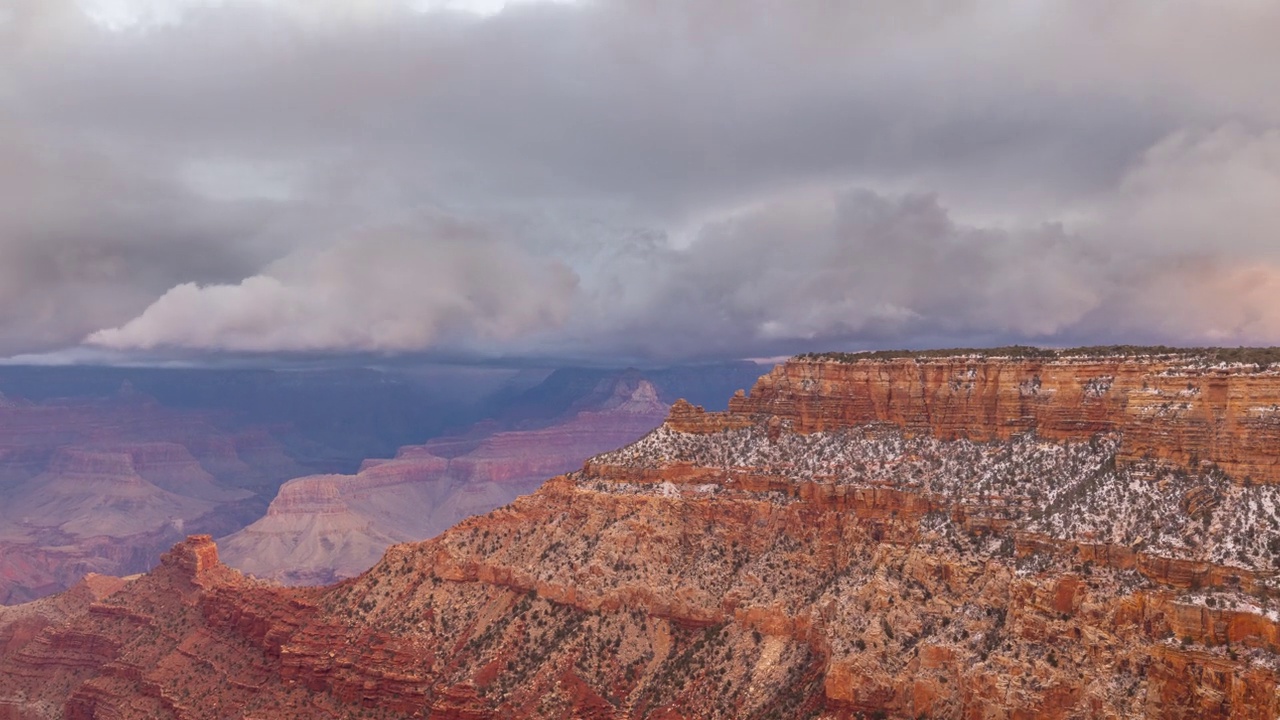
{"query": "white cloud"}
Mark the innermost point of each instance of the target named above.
(1213, 192)
(384, 292)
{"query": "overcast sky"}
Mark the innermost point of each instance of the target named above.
(634, 179)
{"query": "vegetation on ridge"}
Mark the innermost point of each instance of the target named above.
(1263, 357)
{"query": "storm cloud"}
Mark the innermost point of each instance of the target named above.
(648, 179)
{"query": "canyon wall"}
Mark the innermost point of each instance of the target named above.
(1172, 408)
(850, 540)
(320, 529)
(105, 486)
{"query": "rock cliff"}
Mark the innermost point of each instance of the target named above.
(1176, 408)
(944, 538)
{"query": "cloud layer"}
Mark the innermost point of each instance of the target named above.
(384, 292)
(636, 178)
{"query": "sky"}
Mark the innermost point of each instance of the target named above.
(639, 180)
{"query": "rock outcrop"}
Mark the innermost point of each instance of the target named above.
(826, 549)
(323, 528)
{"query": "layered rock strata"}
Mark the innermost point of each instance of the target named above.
(1175, 408)
(107, 486)
(323, 528)
(905, 554)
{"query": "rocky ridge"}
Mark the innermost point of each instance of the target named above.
(944, 538)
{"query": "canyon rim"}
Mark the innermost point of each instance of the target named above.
(1058, 535)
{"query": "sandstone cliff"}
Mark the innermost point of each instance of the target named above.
(1174, 408)
(955, 538)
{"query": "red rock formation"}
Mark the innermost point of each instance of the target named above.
(20, 625)
(790, 565)
(1169, 408)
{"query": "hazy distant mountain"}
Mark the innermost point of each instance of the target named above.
(325, 527)
(103, 468)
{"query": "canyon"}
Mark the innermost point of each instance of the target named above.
(103, 469)
(323, 528)
(956, 536)
(106, 485)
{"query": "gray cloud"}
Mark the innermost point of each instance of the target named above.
(86, 241)
(637, 177)
(382, 291)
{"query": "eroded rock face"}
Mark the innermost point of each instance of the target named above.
(105, 486)
(1169, 408)
(323, 528)
(799, 560)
